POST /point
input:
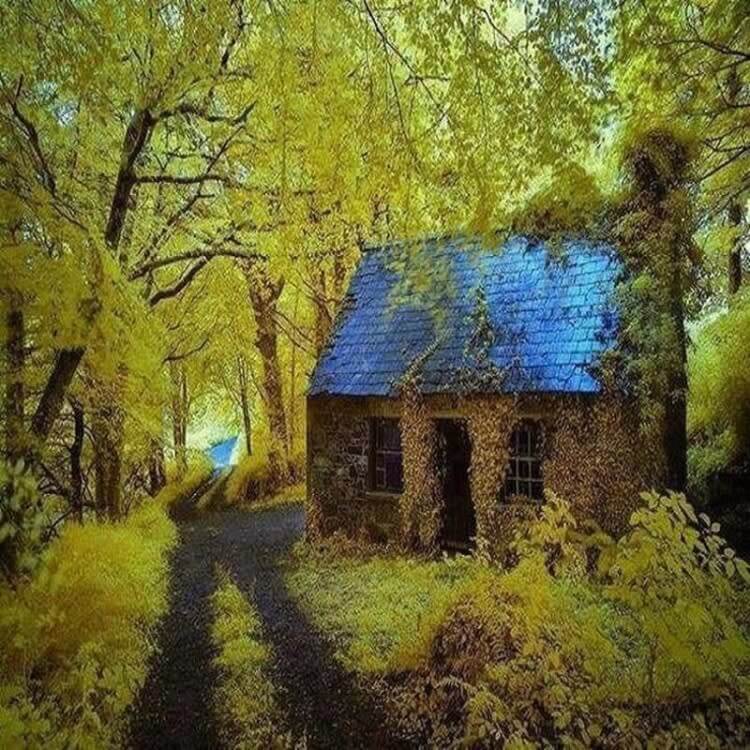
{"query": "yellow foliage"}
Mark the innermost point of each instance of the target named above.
(248, 477)
(584, 642)
(245, 700)
(719, 399)
(75, 640)
(83, 623)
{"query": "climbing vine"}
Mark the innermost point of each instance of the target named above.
(421, 502)
(490, 424)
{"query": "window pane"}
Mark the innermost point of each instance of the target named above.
(523, 442)
(534, 442)
(524, 473)
(393, 471)
(387, 459)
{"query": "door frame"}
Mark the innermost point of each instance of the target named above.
(465, 518)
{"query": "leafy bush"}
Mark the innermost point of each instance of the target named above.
(22, 520)
(250, 480)
(584, 641)
(245, 700)
(199, 472)
(646, 645)
(76, 638)
(719, 405)
(198, 463)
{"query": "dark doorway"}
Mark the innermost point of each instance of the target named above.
(454, 460)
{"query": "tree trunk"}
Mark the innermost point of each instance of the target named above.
(157, 477)
(179, 416)
(136, 137)
(15, 439)
(107, 432)
(264, 298)
(67, 360)
(66, 364)
(735, 253)
(76, 451)
(293, 384)
(245, 404)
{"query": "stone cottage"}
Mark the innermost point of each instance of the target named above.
(462, 384)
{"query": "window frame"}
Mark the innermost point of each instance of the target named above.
(374, 483)
(525, 484)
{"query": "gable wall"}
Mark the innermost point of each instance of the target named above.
(592, 458)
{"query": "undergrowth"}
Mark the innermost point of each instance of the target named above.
(584, 641)
(245, 699)
(252, 481)
(375, 607)
(76, 638)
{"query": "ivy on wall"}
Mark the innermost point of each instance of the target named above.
(490, 423)
(421, 500)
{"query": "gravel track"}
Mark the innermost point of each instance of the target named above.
(322, 701)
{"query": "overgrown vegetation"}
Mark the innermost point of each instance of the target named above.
(585, 640)
(76, 637)
(719, 415)
(252, 484)
(245, 699)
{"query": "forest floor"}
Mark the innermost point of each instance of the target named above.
(322, 703)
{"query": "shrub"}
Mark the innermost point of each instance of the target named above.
(584, 641)
(245, 700)
(645, 646)
(199, 472)
(76, 638)
(719, 401)
(22, 520)
(250, 480)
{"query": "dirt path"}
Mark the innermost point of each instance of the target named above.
(322, 701)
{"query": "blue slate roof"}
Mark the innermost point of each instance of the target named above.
(551, 316)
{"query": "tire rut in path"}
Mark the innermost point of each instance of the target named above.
(321, 701)
(174, 707)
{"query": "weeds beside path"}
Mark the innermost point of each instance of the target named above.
(321, 702)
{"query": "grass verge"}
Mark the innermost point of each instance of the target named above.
(245, 699)
(75, 640)
(375, 608)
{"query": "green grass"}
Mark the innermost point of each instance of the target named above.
(245, 699)
(375, 609)
(292, 495)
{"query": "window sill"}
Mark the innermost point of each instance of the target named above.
(382, 495)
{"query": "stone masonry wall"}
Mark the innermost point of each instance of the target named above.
(338, 468)
(592, 458)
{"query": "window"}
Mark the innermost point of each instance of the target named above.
(386, 469)
(524, 474)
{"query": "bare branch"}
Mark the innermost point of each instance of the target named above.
(157, 179)
(189, 353)
(45, 173)
(153, 265)
(180, 284)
